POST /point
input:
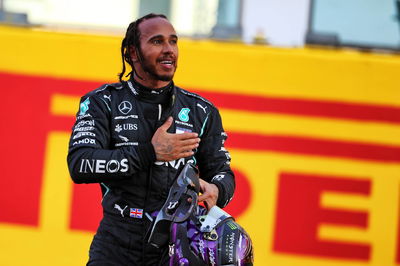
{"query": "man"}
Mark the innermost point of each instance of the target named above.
(134, 137)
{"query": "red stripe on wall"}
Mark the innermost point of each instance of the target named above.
(290, 144)
(304, 107)
(290, 106)
(314, 146)
(48, 84)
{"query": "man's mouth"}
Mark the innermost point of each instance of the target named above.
(167, 63)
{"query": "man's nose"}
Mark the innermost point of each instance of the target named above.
(168, 48)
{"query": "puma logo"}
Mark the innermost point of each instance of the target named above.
(107, 97)
(116, 206)
(202, 107)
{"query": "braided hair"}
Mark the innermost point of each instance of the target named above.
(132, 38)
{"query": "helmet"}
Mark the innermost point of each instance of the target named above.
(195, 236)
(210, 239)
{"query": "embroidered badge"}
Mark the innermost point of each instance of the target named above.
(136, 213)
(184, 114)
(84, 107)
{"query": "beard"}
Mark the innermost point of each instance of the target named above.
(151, 70)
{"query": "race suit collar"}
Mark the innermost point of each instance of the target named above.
(146, 94)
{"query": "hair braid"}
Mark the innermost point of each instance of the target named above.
(132, 38)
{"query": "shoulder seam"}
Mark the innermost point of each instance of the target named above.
(194, 95)
(116, 86)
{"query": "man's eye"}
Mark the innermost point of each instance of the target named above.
(156, 41)
(173, 41)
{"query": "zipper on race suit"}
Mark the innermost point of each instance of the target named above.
(159, 111)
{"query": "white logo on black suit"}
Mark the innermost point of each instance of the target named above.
(125, 107)
(116, 206)
(202, 107)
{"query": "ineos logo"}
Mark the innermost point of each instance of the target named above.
(125, 107)
(103, 166)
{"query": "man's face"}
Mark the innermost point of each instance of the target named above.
(158, 50)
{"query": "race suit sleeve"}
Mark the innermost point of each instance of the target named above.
(214, 160)
(90, 158)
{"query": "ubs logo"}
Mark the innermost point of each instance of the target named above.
(125, 107)
(128, 126)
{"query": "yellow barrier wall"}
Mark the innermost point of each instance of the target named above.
(314, 137)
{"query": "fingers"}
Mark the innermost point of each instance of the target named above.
(186, 135)
(203, 190)
(207, 201)
(192, 141)
(184, 147)
(202, 185)
(185, 154)
(210, 194)
(169, 146)
(202, 197)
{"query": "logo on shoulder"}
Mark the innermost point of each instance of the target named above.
(125, 107)
(184, 114)
(202, 107)
(84, 107)
(107, 97)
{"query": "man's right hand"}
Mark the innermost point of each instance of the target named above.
(169, 147)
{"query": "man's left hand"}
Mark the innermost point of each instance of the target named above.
(210, 194)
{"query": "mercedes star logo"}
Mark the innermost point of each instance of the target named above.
(125, 107)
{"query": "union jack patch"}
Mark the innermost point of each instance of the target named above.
(180, 130)
(136, 213)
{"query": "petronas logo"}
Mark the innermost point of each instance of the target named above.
(84, 107)
(184, 114)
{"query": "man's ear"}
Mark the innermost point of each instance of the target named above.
(133, 54)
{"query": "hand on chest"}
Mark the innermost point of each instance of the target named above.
(134, 122)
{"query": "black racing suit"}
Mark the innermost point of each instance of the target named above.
(111, 145)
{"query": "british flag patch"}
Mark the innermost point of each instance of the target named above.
(136, 213)
(180, 130)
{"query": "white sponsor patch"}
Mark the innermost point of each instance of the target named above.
(103, 166)
(84, 141)
(84, 129)
(127, 126)
(125, 107)
(183, 123)
(126, 144)
(218, 178)
(84, 123)
(84, 134)
(125, 117)
(83, 116)
(175, 163)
